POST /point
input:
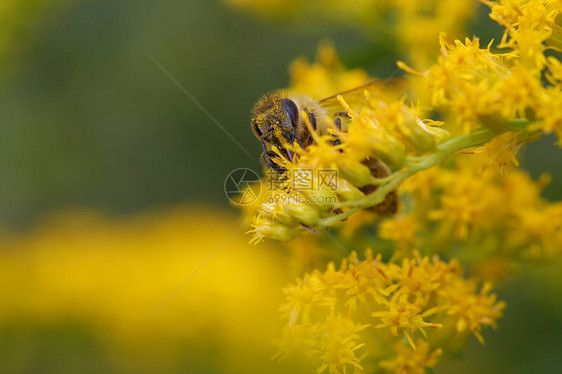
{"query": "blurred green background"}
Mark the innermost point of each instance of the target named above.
(88, 120)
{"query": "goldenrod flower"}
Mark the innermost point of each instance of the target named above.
(500, 153)
(412, 361)
(403, 317)
(493, 101)
(447, 151)
(304, 295)
(537, 231)
(272, 223)
(470, 202)
(379, 298)
(551, 112)
(504, 211)
(472, 310)
(337, 344)
(532, 26)
(468, 81)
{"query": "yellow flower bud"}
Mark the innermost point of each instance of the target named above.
(304, 213)
(284, 218)
(273, 230)
(267, 224)
(440, 135)
(347, 192)
(391, 152)
(321, 197)
(416, 132)
(366, 139)
(355, 172)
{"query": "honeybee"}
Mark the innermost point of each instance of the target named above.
(277, 121)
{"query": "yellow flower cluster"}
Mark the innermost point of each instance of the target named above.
(493, 214)
(531, 27)
(306, 196)
(474, 87)
(488, 104)
(449, 183)
(412, 361)
(351, 316)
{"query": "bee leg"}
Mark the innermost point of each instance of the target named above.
(338, 116)
(270, 154)
(337, 140)
(337, 122)
(272, 164)
(389, 206)
(280, 172)
(342, 114)
(266, 154)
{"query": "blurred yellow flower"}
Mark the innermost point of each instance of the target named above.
(113, 275)
(470, 202)
(472, 310)
(412, 361)
(402, 230)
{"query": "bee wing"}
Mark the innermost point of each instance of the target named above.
(384, 88)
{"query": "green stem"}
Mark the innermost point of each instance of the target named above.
(393, 181)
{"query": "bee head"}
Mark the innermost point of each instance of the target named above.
(275, 118)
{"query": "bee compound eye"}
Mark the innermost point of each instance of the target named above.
(292, 111)
(257, 129)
